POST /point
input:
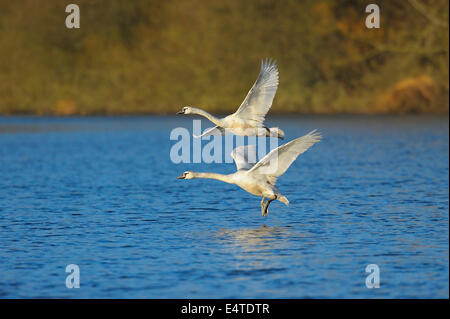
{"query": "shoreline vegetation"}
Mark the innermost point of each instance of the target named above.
(154, 57)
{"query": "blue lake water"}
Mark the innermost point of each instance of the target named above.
(102, 193)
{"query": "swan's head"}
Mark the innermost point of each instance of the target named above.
(185, 110)
(186, 175)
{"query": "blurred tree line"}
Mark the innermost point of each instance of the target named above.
(142, 56)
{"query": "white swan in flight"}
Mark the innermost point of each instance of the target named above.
(259, 179)
(249, 118)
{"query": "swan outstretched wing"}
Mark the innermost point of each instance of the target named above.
(259, 99)
(216, 131)
(244, 156)
(277, 161)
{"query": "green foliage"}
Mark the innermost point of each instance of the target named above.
(156, 56)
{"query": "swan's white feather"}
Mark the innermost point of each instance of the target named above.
(277, 161)
(244, 156)
(260, 97)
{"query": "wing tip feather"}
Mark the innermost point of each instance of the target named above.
(268, 64)
(314, 135)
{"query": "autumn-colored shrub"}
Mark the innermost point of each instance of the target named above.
(414, 95)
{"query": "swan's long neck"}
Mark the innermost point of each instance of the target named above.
(210, 117)
(220, 177)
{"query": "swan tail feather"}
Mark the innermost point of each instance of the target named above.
(283, 199)
(214, 131)
(276, 132)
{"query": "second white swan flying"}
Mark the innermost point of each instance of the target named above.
(248, 120)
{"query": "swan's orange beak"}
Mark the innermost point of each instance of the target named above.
(181, 177)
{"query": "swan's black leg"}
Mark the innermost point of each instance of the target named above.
(266, 208)
(262, 205)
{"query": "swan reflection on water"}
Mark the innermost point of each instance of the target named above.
(262, 238)
(259, 250)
